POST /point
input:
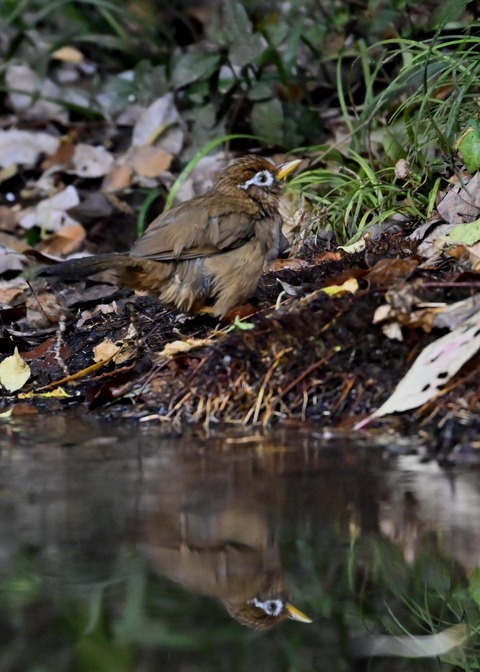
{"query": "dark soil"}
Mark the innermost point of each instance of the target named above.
(314, 360)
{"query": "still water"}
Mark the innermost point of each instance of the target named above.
(136, 548)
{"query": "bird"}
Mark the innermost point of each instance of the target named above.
(206, 254)
(213, 532)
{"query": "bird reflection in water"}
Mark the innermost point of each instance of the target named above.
(216, 538)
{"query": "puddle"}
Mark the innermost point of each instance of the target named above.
(125, 548)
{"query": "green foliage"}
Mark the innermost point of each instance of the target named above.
(270, 71)
(422, 114)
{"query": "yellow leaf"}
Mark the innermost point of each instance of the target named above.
(57, 393)
(105, 350)
(179, 347)
(14, 372)
(350, 286)
(68, 54)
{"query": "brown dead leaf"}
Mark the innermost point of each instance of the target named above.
(149, 161)
(182, 347)
(105, 350)
(43, 310)
(66, 241)
(117, 179)
(62, 157)
(8, 219)
(328, 256)
(388, 272)
(474, 256)
(286, 264)
(9, 291)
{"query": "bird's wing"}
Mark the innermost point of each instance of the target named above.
(198, 228)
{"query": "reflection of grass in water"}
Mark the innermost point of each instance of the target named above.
(111, 623)
(375, 591)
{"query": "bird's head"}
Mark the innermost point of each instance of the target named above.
(263, 613)
(255, 176)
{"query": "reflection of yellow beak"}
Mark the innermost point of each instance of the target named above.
(296, 614)
(287, 168)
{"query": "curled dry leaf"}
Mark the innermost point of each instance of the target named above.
(50, 214)
(90, 162)
(32, 97)
(23, 148)
(12, 290)
(403, 170)
(64, 242)
(434, 367)
(149, 161)
(160, 125)
(43, 310)
(105, 350)
(14, 372)
(117, 179)
(68, 54)
(462, 203)
(182, 347)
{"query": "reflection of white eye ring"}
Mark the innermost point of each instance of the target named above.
(264, 178)
(270, 607)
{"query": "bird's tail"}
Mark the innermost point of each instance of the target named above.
(83, 267)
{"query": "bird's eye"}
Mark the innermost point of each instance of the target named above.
(269, 607)
(264, 178)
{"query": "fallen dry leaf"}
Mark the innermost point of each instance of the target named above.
(14, 372)
(32, 97)
(474, 256)
(11, 290)
(181, 347)
(64, 242)
(433, 368)
(105, 350)
(149, 161)
(50, 214)
(283, 264)
(160, 124)
(350, 286)
(117, 179)
(462, 203)
(89, 161)
(388, 272)
(68, 54)
(43, 310)
(23, 148)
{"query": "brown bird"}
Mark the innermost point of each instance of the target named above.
(206, 254)
(212, 532)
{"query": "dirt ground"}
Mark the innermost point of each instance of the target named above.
(303, 358)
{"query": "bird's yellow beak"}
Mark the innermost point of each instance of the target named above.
(286, 168)
(296, 614)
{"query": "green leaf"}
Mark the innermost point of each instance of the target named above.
(193, 66)
(465, 234)
(469, 148)
(267, 121)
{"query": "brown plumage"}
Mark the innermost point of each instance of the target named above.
(207, 254)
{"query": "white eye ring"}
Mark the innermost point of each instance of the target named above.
(272, 607)
(264, 178)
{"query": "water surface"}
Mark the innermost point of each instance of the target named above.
(127, 547)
